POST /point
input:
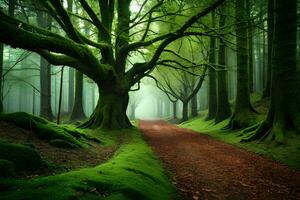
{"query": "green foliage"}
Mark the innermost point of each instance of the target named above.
(133, 173)
(287, 153)
(23, 157)
(7, 168)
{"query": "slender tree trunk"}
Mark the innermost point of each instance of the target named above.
(71, 90)
(71, 73)
(243, 115)
(212, 85)
(250, 46)
(194, 106)
(60, 95)
(78, 112)
(174, 110)
(185, 116)
(1, 73)
(267, 89)
(44, 21)
(284, 112)
(223, 106)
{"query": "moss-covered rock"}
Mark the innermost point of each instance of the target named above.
(42, 128)
(7, 168)
(23, 157)
(62, 144)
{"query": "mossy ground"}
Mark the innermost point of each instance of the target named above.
(133, 173)
(287, 153)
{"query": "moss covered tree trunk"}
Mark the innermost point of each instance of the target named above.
(223, 106)
(243, 115)
(212, 84)
(110, 112)
(78, 112)
(284, 109)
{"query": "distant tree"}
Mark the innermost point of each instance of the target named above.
(44, 21)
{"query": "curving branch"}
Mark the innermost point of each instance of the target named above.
(19, 34)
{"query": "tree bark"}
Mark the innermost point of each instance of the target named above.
(244, 114)
(223, 106)
(185, 115)
(44, 21)
(194, 106)
(267, 89)
(250, 46)
(212, 84)
(78, 112)
(284, 112)
(1, 73)
(110, 112)
(174, 110)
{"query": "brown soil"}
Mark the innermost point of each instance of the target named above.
(204, 168)
(60, 159)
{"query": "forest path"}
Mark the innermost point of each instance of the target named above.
(203, 168)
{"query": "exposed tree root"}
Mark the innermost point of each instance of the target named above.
(242, 119)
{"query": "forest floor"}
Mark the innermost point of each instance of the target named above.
(204, 168)
(57, 159)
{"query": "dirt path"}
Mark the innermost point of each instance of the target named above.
(204, 168)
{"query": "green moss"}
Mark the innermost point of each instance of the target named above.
(133, 173)
(287, 153)
(62, 144)
(24, 158)
(42, 128)
(7, 168)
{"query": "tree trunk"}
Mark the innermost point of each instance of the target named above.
(175, 110)
(250, 46)
(212, 85)
(194, 106)
(44, 21)
(284, 110)
(71, 71)
(244, 114)
(267, 89)
(223, 106)
(45, 82)
(110, 112)
(185, 115)
(1, 73)
(78, 113)
(71, 90)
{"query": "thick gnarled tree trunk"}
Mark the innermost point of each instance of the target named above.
(110, 112)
